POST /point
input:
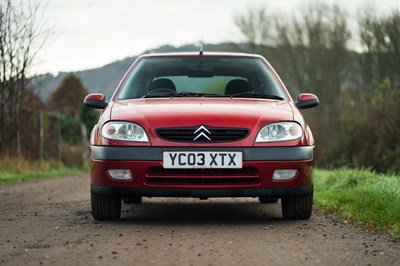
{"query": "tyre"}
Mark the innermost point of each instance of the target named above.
(268, 200)
(105, 207)
(132, 200)
(297, 207)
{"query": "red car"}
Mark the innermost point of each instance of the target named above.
(201, 125)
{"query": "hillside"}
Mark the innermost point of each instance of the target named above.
(106, 78)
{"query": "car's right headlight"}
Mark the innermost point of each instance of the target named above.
(125, 131)
(280, 131)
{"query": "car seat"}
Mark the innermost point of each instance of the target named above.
(162, 83)
(236, 86)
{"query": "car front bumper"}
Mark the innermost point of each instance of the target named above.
(150, 179)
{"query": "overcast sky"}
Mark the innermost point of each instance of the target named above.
(92, 33)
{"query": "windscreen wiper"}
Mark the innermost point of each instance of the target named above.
(183, 94)
(256, 95)
(198, 94)
(157, 96)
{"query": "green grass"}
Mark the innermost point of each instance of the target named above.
(14, 170)
(362, 196)
(7, 177)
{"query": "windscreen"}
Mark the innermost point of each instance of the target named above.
(201, 76)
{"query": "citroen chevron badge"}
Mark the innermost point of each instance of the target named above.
(202, 130)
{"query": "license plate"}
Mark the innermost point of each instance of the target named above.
(204, 159)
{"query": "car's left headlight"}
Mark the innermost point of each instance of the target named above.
(124, 131)
(280, 131)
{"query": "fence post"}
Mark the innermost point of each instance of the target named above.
(58, 138)
(84, 145)
(41, 130)
(18, 132)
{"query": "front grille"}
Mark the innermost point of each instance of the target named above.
(161, 176)
(210, 134)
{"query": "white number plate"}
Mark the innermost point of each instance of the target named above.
(204, 159)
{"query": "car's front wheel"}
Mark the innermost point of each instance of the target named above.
(297, 207)
(105, 207)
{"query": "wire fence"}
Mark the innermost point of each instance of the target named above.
(39, 135)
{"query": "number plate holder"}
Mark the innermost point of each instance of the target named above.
(203, 159)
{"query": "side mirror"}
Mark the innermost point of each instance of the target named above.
(306, 100)
(95, 100)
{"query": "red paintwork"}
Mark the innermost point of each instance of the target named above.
(95, 97)
(307, 97)
(222, 112)
(155, 113)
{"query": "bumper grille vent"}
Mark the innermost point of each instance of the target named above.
(199, 177)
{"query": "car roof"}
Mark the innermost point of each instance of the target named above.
(228, 54)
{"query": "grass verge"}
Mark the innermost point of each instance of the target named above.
(7, 177)
(362, 196)
(14, 170)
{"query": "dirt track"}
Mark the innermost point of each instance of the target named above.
(49, 222)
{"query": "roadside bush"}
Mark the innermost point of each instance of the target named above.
(71, 155)
(381, 129)
(369, 129)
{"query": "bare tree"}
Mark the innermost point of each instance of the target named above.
(311, 43)
(255, 25)
(314, 46)
(380, 40)
(21, 37)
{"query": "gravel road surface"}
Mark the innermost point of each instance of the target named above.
(48, 222)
